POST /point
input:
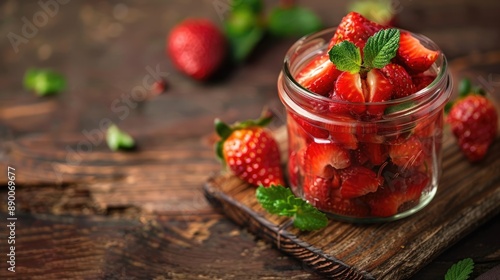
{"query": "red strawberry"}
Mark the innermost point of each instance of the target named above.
(347, 207)
(317, 191)
(421, 81)
(356, 29)
(402, 84)
(321, 159)
(343, 133)
(318, 75)
(197, 48)
(337, 106)
(387, 201)
(375, 152)
(349, 87)
(250, 152)
(310, 128)
(407, 152)
(358, 181)
(379, 89)
(474, 122)
(415, 56)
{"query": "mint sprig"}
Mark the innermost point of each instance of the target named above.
(460, 270)
(377, 53)
(281, 201)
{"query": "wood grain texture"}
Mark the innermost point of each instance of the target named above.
(468, 195)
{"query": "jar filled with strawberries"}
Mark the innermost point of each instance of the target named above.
(364, 107)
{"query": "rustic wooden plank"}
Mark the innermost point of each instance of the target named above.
(468, 195)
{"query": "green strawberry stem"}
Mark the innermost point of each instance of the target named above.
(224, 130)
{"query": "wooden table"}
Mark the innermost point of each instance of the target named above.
(85, 212)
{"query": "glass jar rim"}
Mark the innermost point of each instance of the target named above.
(440, 67)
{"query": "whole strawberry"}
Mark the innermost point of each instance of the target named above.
(250, 151)
(197, 48)
(473, 120)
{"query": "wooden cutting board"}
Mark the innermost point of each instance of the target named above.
(468, 195)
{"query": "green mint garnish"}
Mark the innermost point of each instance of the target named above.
(44, 82)
(460, 270)
(117, 139)
(381, 48)
(377, 53)
(346, 56)
(281, 201)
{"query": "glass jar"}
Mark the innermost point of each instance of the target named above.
(363, 170)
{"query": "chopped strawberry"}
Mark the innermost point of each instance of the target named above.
(310, 128)
(379, 89)
(407, 152)
(415, 56)
(347, 207)
(343, 133)
(321, 159)
(421, 81)
(356, 29)
(319, 75)
(358, 181)
(402, 84)
(337, 106)
(293, 168)
(358, 157)
(375, 152)
(426, 126)
(387, 201)
(317, 191)
(349, 87)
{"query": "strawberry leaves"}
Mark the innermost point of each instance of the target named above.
(377, 53)
(281, 201)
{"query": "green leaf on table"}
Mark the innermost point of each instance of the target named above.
(44, 82)
(381, 48)
(243, 32)
(117, 139)
(281, 201)
(346, 57)
(460, 270)
(293, 21)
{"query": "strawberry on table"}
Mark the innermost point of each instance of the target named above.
(415, 56)
(250, 151)
(197, 48)
(474, 122)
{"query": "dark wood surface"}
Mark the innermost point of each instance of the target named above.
(375, 251)
(142, 214)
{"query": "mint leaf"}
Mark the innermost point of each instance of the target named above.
(346, 57)
(117, 139)
(460, 270)
(281, 201)
(399, 107)
(464, 87)
(309, 218)
(273, 198)
(381, 48)
(293, 21)
(44, 82)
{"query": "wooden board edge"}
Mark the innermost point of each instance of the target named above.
(279, 237)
